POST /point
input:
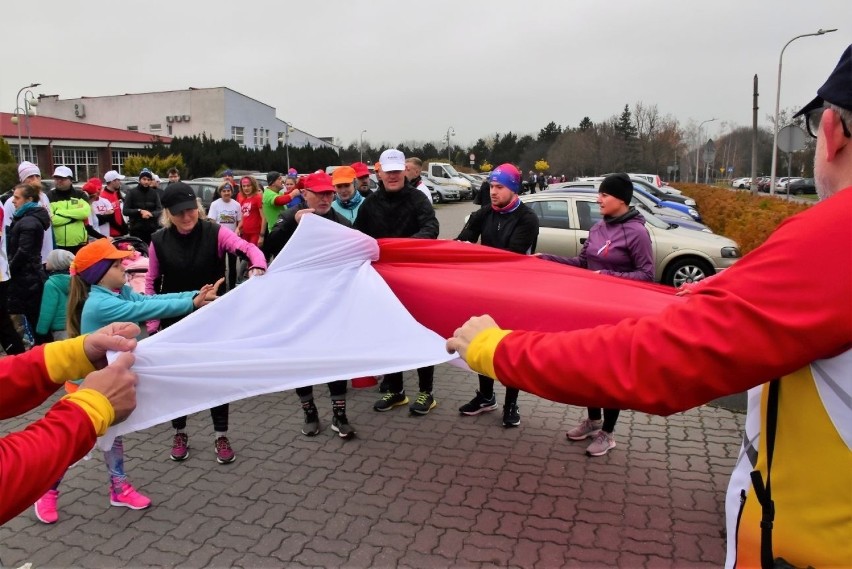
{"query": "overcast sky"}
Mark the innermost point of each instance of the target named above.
(409, 70)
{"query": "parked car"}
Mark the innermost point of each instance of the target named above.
(741, 183)
(802, 186)
(205, 190)
(680, 255)
(693, 213)
(642, 203)
(781, 184)
(447, 192)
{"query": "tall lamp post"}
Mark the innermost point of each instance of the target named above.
(698, 150)
(450, 132)
(778, 104)
(361, 147)
(18, 118)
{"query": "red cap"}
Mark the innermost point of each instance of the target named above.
(319, 182)
(93, 186)
(361, 169)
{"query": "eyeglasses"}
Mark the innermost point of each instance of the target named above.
(814, 117)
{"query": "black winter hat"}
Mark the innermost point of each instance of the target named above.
(179, 197)
(618, 186)
(272, 176)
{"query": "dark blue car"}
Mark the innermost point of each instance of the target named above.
(691, 211)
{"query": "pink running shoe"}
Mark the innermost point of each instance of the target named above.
(224, 453)
(45, 507)
(129, 498)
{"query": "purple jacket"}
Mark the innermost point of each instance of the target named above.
(619, 246)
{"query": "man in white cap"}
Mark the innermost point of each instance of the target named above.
(397, 209)
(112, 193)
(29, 173)
(69, 210)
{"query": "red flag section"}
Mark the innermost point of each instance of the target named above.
(443, 283)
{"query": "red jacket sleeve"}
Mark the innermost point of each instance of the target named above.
(33, 460)
(785, 304)
(24, 382)
(283, 199)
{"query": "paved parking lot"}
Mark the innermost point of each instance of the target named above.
(434, 491)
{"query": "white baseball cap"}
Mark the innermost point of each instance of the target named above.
(392, 160)
(112, 175)
(63, 172)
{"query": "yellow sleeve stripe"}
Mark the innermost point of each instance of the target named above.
(67, 360)
(480, 353)
(96, 406)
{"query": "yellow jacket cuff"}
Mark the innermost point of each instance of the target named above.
(480, 353)
(96, 406)
(67, 360)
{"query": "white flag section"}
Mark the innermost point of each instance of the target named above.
(321, 313)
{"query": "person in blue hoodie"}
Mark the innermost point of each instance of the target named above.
(618, 245)
(99, 296)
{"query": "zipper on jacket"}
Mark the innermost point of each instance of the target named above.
(737, 530)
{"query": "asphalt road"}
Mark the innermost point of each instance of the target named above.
(451, 217)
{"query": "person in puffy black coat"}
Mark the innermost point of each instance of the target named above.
(142, 206)
(503, 222)
(25, 238)
(397, 209)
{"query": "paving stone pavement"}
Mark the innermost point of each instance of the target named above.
(419, 492)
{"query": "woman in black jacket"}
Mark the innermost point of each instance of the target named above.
(25, 238)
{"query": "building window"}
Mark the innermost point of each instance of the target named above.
(264, 137)
(155, 127)
(27, 155)
(134, 128)
(118, 158)
(255, 137)
(169, 127)
(84, 163)
(238, 134)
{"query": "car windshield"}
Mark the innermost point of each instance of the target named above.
(451, 171)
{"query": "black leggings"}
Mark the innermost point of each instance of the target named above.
(610, 416)
(425, 377)
(486, 389)
(337, 390)
(220, 419)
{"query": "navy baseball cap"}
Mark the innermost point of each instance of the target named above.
(837, 90)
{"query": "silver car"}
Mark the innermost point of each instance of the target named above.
(680, 255)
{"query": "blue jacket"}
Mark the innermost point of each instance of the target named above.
(105, 306)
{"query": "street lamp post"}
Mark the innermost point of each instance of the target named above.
(778, 104)
(29, 103)
(18, 119)
(698, 150)
(361, 147)
(450, 132)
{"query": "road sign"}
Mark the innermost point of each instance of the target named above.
(709, 151)
(791, 138)
(730, 169)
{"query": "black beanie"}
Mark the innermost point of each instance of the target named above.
(618, 186)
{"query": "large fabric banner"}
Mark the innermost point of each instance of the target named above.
(336, 304)
(321, 313)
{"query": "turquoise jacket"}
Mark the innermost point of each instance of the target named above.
(54, 299)
(105, 306)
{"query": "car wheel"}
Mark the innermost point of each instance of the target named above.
(687, 270)
(440, 198)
